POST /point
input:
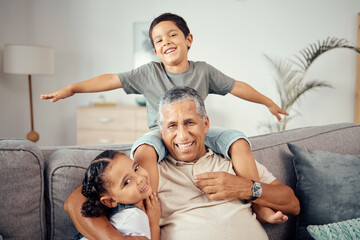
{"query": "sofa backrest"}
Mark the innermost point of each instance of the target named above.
(64, 171)
(28, 176)
(272, 151)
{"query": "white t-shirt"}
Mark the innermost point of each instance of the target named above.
(131, 222)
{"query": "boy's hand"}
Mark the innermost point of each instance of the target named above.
(276, 111)
(60, 94)
(153, 209)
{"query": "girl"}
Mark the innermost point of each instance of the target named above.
(116, 186)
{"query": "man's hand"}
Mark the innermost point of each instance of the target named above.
(224, 186)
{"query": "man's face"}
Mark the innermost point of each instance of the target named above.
(183, 131)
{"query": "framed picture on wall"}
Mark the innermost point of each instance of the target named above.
(143, 50)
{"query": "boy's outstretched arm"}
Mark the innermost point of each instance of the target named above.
(246, 92)
(91, 227)
(100, 83)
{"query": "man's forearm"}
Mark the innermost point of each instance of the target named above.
(223, 185)
(279, 197)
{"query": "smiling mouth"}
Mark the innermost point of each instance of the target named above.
(145, 188)
(170, 50)
(184, 147)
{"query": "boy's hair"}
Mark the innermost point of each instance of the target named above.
(94, 185)
(179, 22)
(179, 94)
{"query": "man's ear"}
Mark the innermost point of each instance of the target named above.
(189, 40)
(207, 124)
(108, 201)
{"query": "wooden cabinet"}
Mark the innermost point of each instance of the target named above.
(110, 125)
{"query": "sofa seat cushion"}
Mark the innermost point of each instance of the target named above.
(22, 206)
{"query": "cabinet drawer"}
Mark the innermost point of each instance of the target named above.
(106, 118)
(98, 137)
(141, 120)
(110, 125)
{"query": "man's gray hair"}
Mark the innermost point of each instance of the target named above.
(179, 94)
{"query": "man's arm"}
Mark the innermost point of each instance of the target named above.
(222, 185)
(100, 83)
(279, 197)
(91, 227)
(246, 92)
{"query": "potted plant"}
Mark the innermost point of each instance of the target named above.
(290, 76)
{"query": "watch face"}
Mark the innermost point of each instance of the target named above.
(257, 190)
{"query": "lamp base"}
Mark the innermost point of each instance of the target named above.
(32, 136)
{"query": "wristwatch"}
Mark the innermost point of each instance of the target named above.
(256, 191)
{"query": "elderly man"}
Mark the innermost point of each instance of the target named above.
(199, 191)
(201, 196)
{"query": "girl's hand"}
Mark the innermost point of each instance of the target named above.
(60, 94)
(153, 209)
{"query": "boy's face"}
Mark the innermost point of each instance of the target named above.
(171, 46)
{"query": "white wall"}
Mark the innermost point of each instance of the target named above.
(93, 37)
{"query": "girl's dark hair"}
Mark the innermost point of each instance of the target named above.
(179, 22)
(94, 185)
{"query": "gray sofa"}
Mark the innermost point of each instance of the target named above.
(35, 182)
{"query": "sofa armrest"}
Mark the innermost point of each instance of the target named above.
(22, 206)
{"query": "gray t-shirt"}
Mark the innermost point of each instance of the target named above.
(152, 80)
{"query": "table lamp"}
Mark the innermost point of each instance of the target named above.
(29, 60)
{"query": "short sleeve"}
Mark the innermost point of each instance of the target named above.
(219, 83)
(264, 175)
(134, 81)
(132, 222)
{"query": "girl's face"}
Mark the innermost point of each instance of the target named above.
(128, 183)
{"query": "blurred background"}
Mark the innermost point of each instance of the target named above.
(92, 37)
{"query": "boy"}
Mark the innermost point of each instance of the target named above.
(171, 39)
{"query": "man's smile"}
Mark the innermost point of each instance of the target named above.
(184, 147)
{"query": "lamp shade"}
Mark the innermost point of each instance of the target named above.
(29, 60)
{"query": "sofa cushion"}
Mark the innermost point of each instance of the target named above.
(22, 207)
(272, 151)
(64, 171)
(349, 229)
(327, 187)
